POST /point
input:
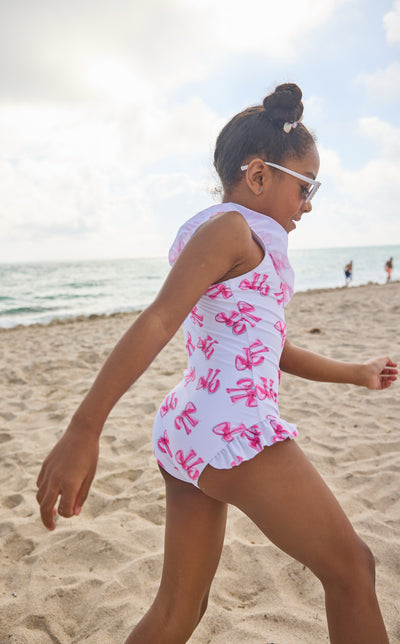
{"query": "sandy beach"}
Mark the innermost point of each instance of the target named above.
(93, 577)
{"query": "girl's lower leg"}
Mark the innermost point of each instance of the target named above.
(354, 618)
(166, 625)
(352, 608)
(194, 534)
(155, 628)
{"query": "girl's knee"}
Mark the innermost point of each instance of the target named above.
(352, 567)
(364, 562)
(369, 559)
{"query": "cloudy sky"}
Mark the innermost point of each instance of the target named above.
(109, 113)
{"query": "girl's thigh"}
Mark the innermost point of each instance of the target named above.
(282, 492)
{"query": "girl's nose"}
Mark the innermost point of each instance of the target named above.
(307, 206)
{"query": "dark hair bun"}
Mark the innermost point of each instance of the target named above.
(284, 104)
(259, 131)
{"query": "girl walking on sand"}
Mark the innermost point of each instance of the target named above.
(218, 435)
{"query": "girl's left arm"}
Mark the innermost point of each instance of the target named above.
(378, 373)
(215, 248)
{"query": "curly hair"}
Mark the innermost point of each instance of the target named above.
(259, 130)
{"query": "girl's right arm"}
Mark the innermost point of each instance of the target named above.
(219, 246)
(378, 373)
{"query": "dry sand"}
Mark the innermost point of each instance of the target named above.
(92, 579)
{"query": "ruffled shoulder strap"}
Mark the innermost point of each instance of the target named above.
(188, 228)
(273, 236)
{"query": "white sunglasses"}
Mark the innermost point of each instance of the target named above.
(314, 185)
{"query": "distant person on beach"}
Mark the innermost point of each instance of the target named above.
(348, 272)
(218, 436)
(388, 269)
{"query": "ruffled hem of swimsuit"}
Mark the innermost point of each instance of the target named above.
(245, 446)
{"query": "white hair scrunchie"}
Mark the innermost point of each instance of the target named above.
(287, 127)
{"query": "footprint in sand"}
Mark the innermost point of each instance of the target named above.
(12, 501)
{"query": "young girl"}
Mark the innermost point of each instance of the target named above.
(218, 436)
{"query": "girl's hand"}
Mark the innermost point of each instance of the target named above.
(379, 373)
(67, 472)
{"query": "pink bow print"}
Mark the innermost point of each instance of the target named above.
(246, 390)
(249, 391)
(190, 348)
(185, 419)
(281, 327)
(251, 433)
(219, 289)
(196, 317)
(238, 322)
(170, 402)
(284, 295)
(185, 462)
(280, 432)
(206, 346)
(252, 357)
(210, 382)
(256, 284)
(189, 376)
(163, 444)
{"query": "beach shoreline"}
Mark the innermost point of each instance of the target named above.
(136, 311)
(93, 578)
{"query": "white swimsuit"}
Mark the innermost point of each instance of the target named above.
(225, 409)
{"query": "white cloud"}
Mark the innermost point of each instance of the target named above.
(70, 187)
(384, 84)
(357, 207)
(313, 106)
(330, 162)
(81, 176)
(82, 51)
(106, 139)
(385, 135)
(275, 29)
(378, 177)
(156, 131)
(115, 79)
(391, 22)
(46, 47)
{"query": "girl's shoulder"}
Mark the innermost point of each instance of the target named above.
(231, 229)
(269, 231)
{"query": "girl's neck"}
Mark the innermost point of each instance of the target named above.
(248, 201)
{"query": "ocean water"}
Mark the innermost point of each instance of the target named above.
(40, 292)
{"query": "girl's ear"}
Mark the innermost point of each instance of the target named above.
(257, 176)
